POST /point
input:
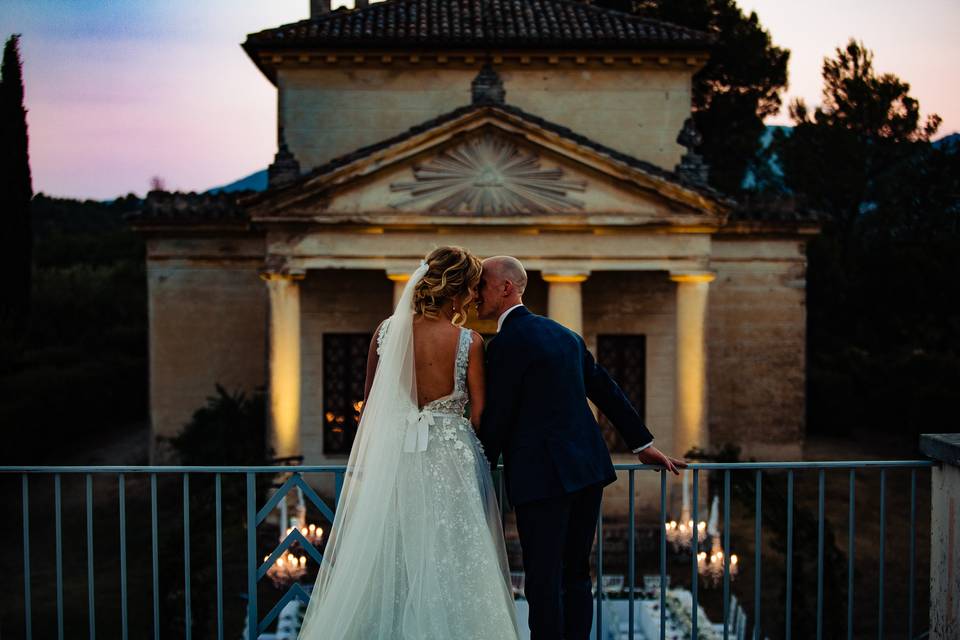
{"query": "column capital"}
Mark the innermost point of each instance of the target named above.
(693, 276)
(277, 267)
(565, 277)
(289, 276)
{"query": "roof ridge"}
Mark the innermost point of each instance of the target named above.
(566, 24)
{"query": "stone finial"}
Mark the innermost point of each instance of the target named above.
(319, 8)
(285, 167)
(487, 87)
(692, 167)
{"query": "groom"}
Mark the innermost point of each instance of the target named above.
(539, 377)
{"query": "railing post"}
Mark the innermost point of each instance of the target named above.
(253, 619)
(944, 534)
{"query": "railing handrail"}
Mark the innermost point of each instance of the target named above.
(706, 466)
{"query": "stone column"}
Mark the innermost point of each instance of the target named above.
(690, 412)
(564, 298)
(944, 534)
(284, 362)
(399, 279)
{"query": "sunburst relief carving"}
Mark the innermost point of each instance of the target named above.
(488, 176)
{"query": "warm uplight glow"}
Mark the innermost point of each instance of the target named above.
(692, 289)
(285, 363)
(565, 300)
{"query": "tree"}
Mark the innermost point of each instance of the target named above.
(867, 128)
(738, 87)
(882, 335)
(15, 194)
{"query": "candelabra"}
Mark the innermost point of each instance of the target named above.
(286, 569)
(680, 534)
(711, 566)
(290, 566)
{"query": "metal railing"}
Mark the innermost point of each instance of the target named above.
(257, 514)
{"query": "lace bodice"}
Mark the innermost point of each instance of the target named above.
(454, 403)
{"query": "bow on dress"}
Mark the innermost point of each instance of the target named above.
(418, 430)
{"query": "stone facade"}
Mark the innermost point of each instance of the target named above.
(326, 113)
(207, 313)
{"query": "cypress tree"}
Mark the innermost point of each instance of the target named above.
(16, 192)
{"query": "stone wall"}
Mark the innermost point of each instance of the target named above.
(638, 303)
(207, 310)
(641, 303)
(333, 301)
(757, 346)
(326, 113)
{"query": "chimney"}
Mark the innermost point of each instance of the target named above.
(361, 4)
(319, 8)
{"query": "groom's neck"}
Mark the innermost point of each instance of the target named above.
(509, 303)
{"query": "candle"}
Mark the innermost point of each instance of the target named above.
(714, 517)
(686, 494)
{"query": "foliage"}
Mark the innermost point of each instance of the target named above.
(738, 87)
(15, 193)
(83, 368)
(867, 129)
(884, 336)
(230, 430)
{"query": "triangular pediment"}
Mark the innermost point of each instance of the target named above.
(491, 164)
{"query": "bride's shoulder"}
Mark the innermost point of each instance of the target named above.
(381, 331)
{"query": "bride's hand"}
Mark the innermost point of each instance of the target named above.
(653, 456)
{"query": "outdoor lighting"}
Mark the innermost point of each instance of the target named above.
(680, 534)
(711, 566)
(290, 566)
(287, 569)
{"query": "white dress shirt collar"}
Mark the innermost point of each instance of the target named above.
(503, 316)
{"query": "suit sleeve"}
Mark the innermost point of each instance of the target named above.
(613, 402)
(500, 408)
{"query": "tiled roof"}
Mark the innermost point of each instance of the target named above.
(473, 24)
(773, 208)
(178, 207)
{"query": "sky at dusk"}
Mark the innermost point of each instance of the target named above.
(119, 91)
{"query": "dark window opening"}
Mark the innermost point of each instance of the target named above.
(344, 374)
(625, 358)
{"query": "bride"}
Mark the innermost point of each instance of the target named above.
(416, 551)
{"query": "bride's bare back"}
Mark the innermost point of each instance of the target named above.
(435, 343)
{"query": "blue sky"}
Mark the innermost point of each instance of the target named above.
(121, 90)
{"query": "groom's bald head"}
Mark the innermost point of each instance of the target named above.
(507, 268)
(502, 284)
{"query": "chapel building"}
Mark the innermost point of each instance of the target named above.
(550, 130)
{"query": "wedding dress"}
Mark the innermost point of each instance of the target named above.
(416, 550)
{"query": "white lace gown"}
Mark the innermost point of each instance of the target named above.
(444, 574)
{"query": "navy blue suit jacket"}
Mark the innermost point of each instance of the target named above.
(539, 376)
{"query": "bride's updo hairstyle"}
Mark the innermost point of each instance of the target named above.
(451, 272)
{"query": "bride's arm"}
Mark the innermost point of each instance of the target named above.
(476, 380)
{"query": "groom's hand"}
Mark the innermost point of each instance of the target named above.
(653, 456)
